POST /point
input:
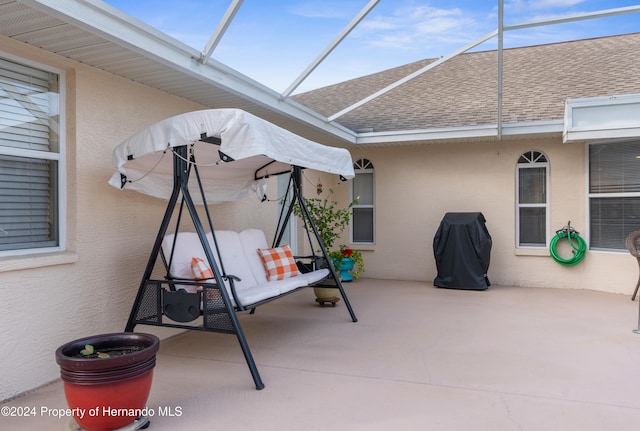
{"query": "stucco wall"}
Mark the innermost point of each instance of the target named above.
(417, 185)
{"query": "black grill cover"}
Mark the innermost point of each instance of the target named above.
(462, 248)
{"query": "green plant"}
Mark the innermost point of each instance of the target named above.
(328, 217)
(331, 220)
(90, 351)
(355, 255)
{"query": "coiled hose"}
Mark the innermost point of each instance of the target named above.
(578, 245)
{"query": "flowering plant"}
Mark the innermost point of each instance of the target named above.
(348, 253)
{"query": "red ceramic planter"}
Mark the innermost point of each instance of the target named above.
(107, 394)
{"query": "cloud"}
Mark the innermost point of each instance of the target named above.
(517, 11)
(410, 27)
(529, 5)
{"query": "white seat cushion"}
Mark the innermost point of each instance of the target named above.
(257, 293)
(314, 276)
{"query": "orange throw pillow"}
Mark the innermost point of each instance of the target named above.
(200, 269)
(278, 262)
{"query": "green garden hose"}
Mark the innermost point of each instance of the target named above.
(578, 245)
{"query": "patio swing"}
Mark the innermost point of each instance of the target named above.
(226, 155)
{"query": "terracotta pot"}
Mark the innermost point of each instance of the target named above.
(107, 394)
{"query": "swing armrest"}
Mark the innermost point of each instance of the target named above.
(232, 279)
(182, 283)
(309, 263)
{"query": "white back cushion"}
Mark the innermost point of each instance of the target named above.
(233, 257)
(188, 246)
(252, 240)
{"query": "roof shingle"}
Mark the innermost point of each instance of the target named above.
(463, 91)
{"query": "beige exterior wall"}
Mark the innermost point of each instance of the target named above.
(417, 185)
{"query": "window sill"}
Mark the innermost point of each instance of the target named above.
(362, 246)
(533, 252)
(17, 263)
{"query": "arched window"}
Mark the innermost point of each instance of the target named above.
(362, 188)
(532, 198)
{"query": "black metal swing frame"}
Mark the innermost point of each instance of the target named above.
(161, 302)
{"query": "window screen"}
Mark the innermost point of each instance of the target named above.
(362, 188)
(29, 157)
(614, 193)
(532, 198)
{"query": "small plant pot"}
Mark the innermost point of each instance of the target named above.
(345, 267)
(107, 393)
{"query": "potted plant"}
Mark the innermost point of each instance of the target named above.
(329, 218)
(107, 378)
(330, 221)
(348, 262)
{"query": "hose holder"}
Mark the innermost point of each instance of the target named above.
(577, 243)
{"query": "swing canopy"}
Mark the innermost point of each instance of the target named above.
(234, 152)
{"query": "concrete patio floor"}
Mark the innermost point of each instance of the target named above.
(508, 358)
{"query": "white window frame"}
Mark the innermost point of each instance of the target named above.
(372, 206)
(530, 165)
(59, 157)
(590, 195)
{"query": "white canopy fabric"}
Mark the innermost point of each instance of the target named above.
(257, 147)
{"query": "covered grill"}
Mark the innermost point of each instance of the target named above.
(462, 249)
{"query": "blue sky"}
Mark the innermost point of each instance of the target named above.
(274, 41)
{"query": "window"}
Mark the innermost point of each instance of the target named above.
(31, 162)
(363, 225)
(531, 212)
(614, 193)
